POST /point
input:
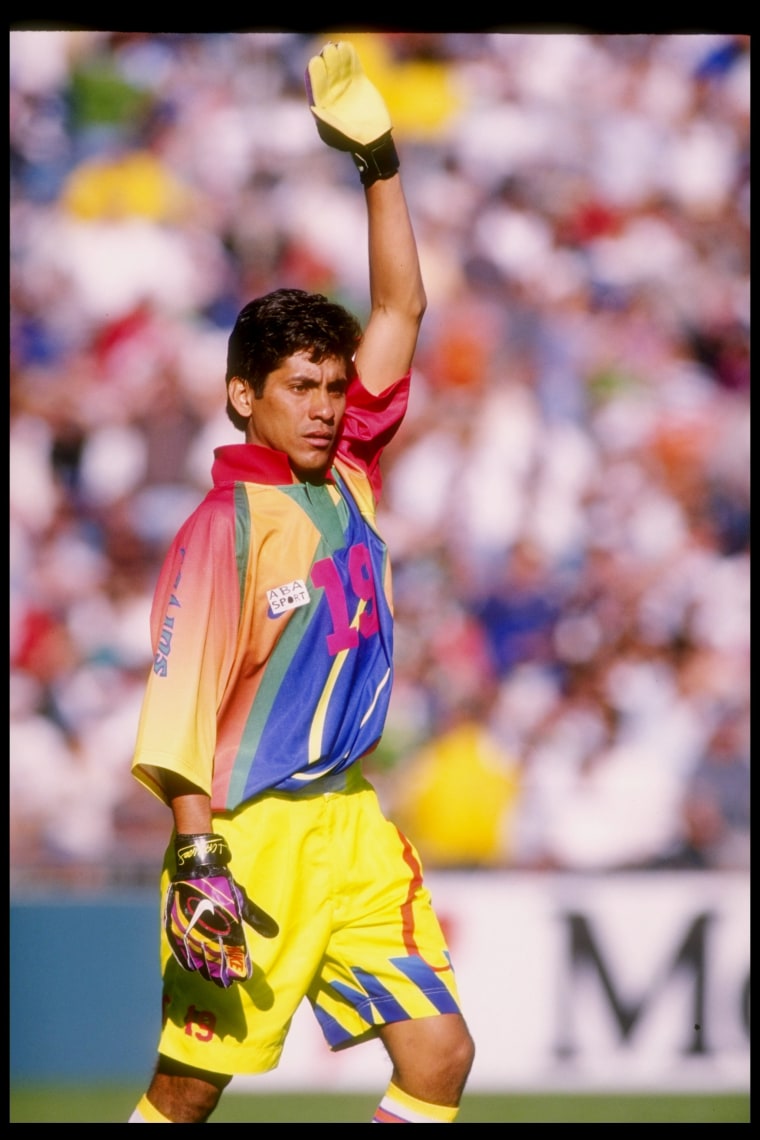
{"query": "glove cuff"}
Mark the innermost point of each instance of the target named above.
(377, 160)
(198, 854)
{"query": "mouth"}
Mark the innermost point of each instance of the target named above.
(322, 441)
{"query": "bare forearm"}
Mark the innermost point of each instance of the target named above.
(190, 806)
(394, 269)
(397, 292)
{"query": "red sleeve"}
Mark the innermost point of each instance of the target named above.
(370, 423)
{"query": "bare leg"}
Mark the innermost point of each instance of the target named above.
(431, 1056)
(183, 1094)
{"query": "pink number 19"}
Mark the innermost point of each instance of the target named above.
(324, 574)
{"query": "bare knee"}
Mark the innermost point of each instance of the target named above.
(432, 1057)
(183, 1094)
(463, 1054)
(458, 1056)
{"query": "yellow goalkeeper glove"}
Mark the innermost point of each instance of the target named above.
(350, 112)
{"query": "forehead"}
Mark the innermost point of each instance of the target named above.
(300, 364)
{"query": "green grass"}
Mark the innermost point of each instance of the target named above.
(104, 1104)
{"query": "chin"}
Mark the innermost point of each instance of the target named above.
(312, 472)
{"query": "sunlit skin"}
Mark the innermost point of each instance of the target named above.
(299, 412)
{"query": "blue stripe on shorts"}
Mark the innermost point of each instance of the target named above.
(376, 996)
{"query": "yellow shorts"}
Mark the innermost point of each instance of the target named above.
(358, 935)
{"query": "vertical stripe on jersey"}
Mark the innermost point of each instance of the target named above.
(242, 537)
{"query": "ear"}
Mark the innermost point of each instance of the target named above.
(240, 395)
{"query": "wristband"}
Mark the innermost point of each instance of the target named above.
(376, 161)
(198, 855)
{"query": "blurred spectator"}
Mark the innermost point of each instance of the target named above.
(714, 827)
(569, 505)
(461, 793)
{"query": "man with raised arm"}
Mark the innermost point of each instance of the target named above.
(272, 632)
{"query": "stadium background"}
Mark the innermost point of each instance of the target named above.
(568, 506)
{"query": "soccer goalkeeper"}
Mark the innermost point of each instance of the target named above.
(272, 634)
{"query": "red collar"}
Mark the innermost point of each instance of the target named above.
(251, 463)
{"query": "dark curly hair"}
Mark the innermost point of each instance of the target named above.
(273, 327)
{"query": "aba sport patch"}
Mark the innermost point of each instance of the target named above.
(282, 599)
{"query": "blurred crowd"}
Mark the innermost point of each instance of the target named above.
(567, 505)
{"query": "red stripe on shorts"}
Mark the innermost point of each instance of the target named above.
(407, 911)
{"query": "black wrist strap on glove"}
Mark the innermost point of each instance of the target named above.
(375, 161)
(207, 854)
(201, 855)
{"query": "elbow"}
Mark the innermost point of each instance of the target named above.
(420, 305)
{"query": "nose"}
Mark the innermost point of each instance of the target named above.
(320, 407)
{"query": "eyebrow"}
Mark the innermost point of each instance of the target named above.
(313, 382)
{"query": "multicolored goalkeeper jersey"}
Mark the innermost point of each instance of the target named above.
(271, 623)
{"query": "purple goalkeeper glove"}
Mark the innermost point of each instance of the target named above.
(205, 909)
